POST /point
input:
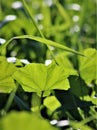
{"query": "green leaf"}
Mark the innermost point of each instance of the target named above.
(83, 124)
(66, 64)
(40, 78)
(52, 103)
(6, 81)
(42, 40)
(2, 58)
(91, 98)
(88, 66)
(24, 121)
(78, 125)
(78, 86)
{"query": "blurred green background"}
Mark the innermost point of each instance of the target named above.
(75, 26)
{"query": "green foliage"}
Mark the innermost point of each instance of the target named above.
(52, 103)
(78, 86)
(25, 121)
(40, 78)
(62, 93)
(80, 126)
(64, 61)
(88, 66)
(6, 81)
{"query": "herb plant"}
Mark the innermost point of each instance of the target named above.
(48, 61)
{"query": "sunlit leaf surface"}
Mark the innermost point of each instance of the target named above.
(52, 103)
(40, 78)
(6, 81)
(88, 66)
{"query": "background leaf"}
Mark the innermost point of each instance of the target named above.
(66, 64)
(52, 103)
(6, 81)
(78, 86)
(78, 125)
(88, 66)
(24, 121)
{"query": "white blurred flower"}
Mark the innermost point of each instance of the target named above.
(47, 62)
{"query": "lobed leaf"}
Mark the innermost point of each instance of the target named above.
(40, 78)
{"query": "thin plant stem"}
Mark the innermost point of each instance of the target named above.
(9, 102)
(37, 28)
(42, 97)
